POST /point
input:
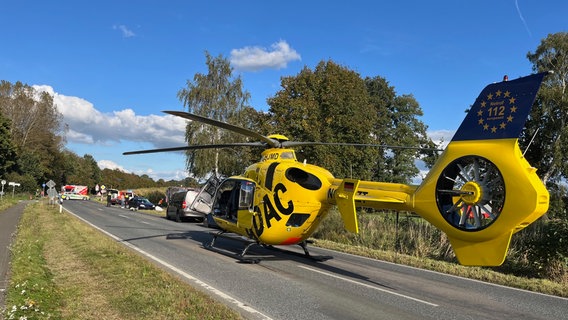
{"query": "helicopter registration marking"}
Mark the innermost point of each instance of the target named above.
(270, 156)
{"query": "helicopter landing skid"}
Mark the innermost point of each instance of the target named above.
(304, 246)
(239, 256)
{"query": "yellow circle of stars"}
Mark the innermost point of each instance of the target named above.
(496, 111)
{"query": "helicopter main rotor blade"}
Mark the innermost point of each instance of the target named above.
(198, 147)
(299, 143)
(224, 125)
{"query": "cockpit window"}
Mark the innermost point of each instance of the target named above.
(246, 195)
(287, 155)
(233, 195)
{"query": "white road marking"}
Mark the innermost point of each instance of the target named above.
(450, 275)
(368, 286)
(184, 274)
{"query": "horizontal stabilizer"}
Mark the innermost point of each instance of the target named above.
(371, 200)
(345, 199)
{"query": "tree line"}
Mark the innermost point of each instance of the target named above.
(328, 104)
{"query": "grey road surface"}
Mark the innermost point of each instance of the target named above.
(288, 286)
(9, 219)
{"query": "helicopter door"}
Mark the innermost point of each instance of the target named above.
(246, 204)
(204, 200)
(234, 201)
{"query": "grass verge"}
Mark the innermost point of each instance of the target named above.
(7, 202)
(63, 269)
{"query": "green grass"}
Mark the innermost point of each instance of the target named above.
(421, 245)
(7, 202)
(63, 269)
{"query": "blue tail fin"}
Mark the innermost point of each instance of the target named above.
(501, 110)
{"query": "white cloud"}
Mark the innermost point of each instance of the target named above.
(166, 175)
(423, 171)
(88, 125)
(257, 58)
(105, 135)
(107, 164)
(176, 174)
(126, 33)
(441, 137)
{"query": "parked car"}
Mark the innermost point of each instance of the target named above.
(74, 196)
(140, 203)
(183, 205)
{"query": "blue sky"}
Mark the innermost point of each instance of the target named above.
(112, 66)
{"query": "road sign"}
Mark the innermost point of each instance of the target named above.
(51, 193)
(50, 184)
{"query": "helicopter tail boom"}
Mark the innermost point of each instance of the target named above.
(481, 190)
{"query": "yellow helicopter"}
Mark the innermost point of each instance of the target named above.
(480, 191)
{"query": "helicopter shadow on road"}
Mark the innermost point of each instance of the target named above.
(258, 254)
(162, 232)
(198, 236)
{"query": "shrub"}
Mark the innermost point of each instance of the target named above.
(548, 252)
(155, 196)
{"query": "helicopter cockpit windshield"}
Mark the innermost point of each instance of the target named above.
(288, 155)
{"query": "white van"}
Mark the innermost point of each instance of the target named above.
(191, 204)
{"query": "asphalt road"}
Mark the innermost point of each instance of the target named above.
(9, 219)
(287, 286)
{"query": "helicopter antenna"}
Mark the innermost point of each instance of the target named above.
(534, 135)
